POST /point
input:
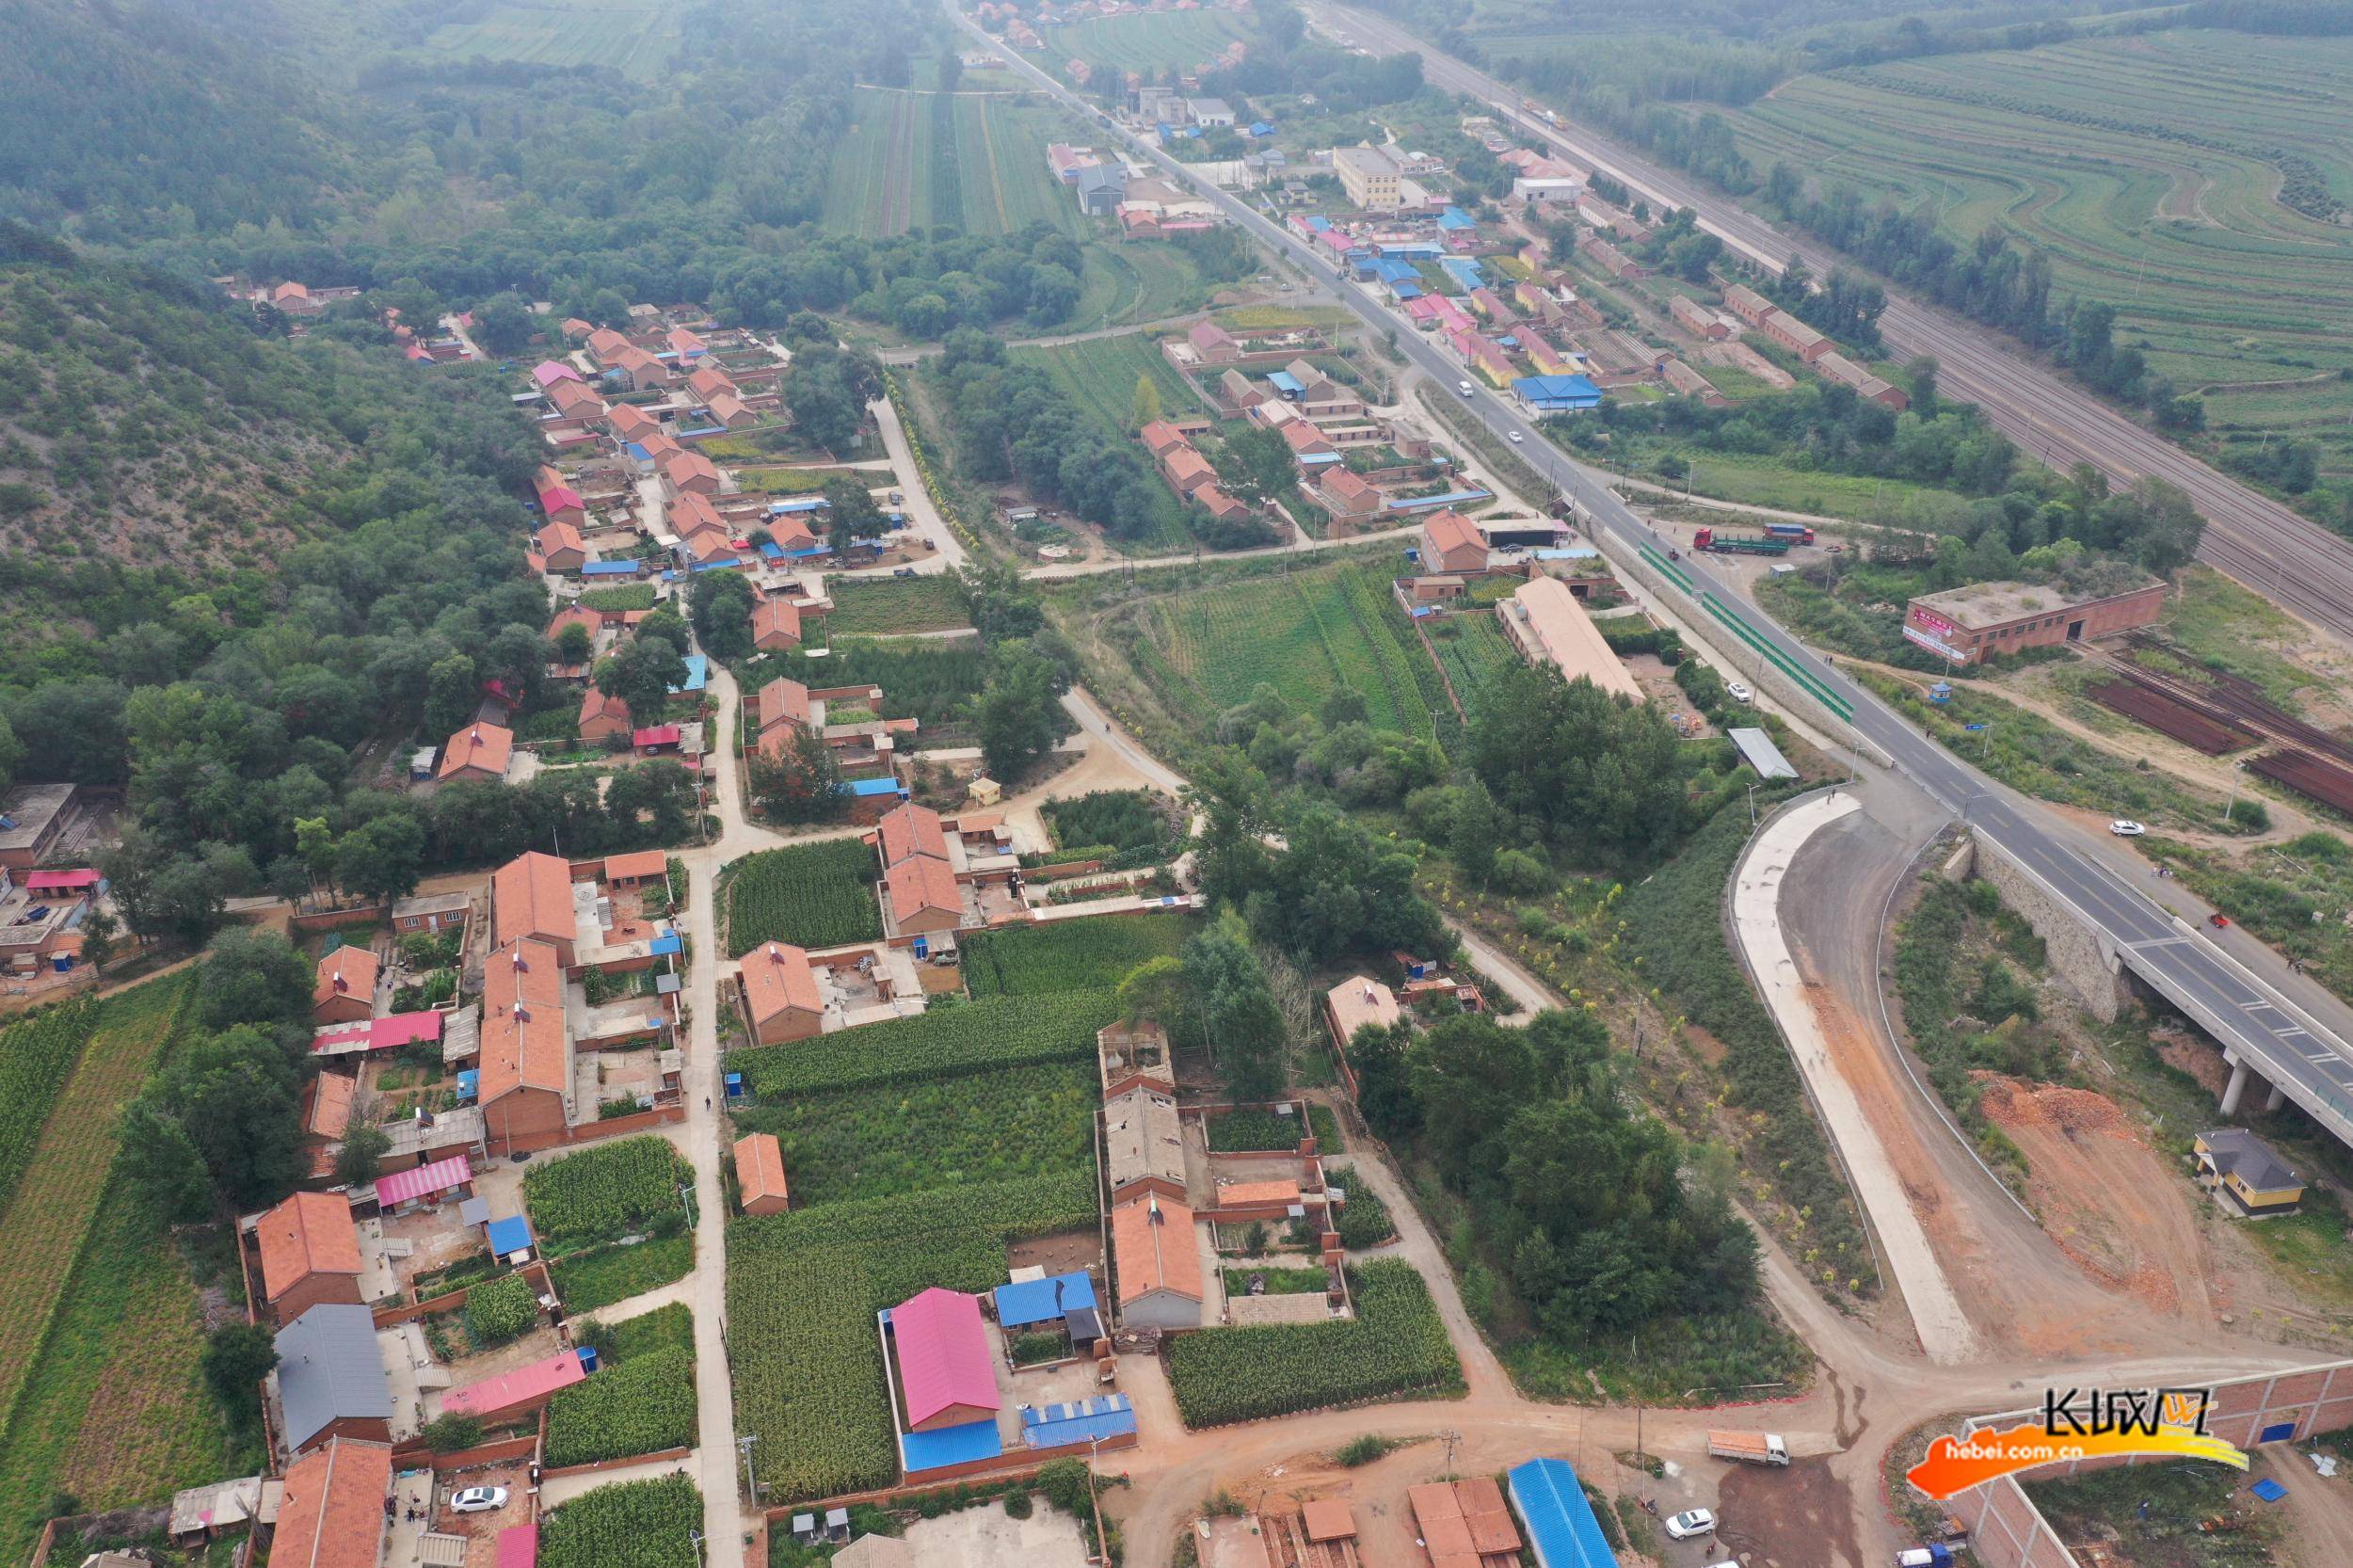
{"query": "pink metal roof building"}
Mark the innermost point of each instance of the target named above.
(519, 1546)
(387, 1033)
(944, 1363)
(525, 1385)
(424, 1181)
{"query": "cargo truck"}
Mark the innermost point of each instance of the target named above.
(1796, 532)
(1738, 544)
(1926, 1557)
(1751, 1447)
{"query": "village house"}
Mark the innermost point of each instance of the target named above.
(526, 1058)
(1451, 543)
(683, 470)
(309, 1254)
(574, 404)
(602, 717)
(557, 499)
(480, 752)
(775, 625)
(330, 1379)
(345, 987)
(780, 992)
(606, 346)
(531, 900)
(559, 549)
(335, 1509)
(33, 818)
(631, 424)
(1349, 499)
(1157, 1257)
(1212, 344)
(428, 913)
(639, 370)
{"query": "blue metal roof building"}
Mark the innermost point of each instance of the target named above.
(801, 504)
(1455, 219)
(1415, 250)
(1060, 1426)
(1044, 1300)
(1285, 382)
(930, 1450)
(1465, 272)
(1402, 291)
(867, 789)
(697, 672)
(611, 568)
(1381, 269)
(510, 1234)
(1553, 394)
(1439, 502)
(1562, 1529)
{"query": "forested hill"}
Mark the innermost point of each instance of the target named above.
(122, 120)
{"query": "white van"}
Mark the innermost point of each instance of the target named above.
(1465, 387)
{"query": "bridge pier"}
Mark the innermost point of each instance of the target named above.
(2278, 1097)
(2233, 1090)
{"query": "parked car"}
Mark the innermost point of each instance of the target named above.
(1517, 437)
(2218, 919)
(1690, 1521)
(1738, 692)
(2124, 827)
(480, 1500)
(1463, 387)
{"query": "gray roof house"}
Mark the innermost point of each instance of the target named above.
(330, 1377)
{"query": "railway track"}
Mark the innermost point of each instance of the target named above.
(2289, 560)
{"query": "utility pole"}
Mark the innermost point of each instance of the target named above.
(2236, 769)
(744, 1447)
(1094, 1506)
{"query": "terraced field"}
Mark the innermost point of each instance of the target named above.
(1160, 40)
(2163, 173)
(1305, 633)
(1473, 654)
(634, 36)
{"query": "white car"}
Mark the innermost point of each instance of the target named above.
(2124, 827)
(1517, 437)
(480, 1500)
(1738, 692)
(1692, 1521)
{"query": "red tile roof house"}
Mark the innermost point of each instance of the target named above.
(526, 1052)
(309, 1254)
(1162, 438)
(947, 1375)
(1349, 497)
(730, 412)
(690, 514)
(602, 717)
(479, 751)
(574, 404)
(760, 1173)
(924, 896)
(683, 471)
(531, 899)
(775, 624)
(640, 371)
(629, 422)
(557, 499)
(1213, 344)
(606, 346)
(345, 989)
(780, 995)
(1187, 471)
(909, 831)
(709, 381)
(336, 1508)
(1220, 505)
(1451, 542)
(1309, 446)
(685, 345)
(560, 548)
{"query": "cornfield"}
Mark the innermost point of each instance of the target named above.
(1395, 1346)
(605, 1191)
(819, 895)
(635, 1524)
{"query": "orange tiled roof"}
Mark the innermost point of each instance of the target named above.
(760, 1167)
(333, 1513)
(310, 1233)
(1155, 1255)
(532, 896)
(347, 971)
(524, 1043)
(778, 978)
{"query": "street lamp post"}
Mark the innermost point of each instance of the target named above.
(2236, 769)
(1752, 807)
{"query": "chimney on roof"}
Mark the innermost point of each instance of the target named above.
(1152, 1208)
(341, 984)
(522, 1013)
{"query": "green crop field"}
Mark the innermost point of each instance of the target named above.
(1473, 651)
(977, 164)
(634, 36)
(1303, 633)
(1127, 285)
(2151, 168)
(818, 895)
(882, 608)
(1158, 41)
(1101, 376)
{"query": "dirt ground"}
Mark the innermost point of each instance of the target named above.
(2106, 1198)
(2316, 1515)
(1783, 1518)
(1057, 1254)
(985, 1538)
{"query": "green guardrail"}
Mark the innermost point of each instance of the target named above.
(1811, 684)
(1666, 568)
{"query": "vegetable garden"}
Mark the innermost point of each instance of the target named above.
(880, 608)
(919, 681)
(605, 1191)
(586, 1281)
(1258, 1130)
(1070, 955)
(818, 895)
(1395, 1346)
(633, 1524)
(641, 1403)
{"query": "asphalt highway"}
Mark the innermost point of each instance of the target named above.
(2292, 561)
(2293, 1050)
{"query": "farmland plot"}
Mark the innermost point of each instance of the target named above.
(1395, 1346)
(1071, 955)
(979, 1037)
(819, 895)
(637, 37)
(631, 1524)
(49, 1216)
(882, 182)
(1150, 42)
(1005, 183)
(604, 1191)
(1306, 633)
